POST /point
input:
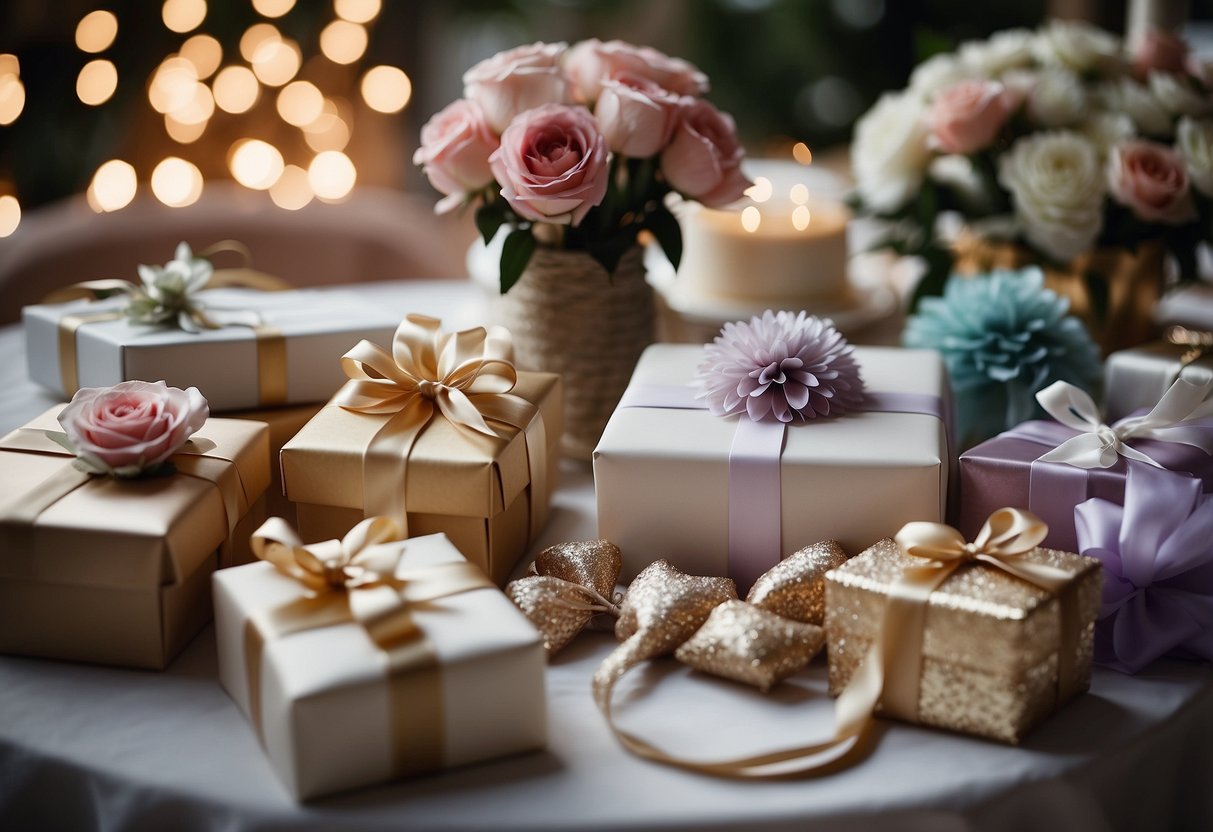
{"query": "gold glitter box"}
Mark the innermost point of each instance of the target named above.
(991, 642)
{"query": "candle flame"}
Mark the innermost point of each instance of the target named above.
(751, 218)
(801, 217)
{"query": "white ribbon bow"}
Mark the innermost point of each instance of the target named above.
(1098, 444)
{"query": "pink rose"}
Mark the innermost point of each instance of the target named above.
(132, 426)
(552, 164)
(516, 80)
(454, 153)
(1151, 179)
(703, 160)
(966, 116)
(591, 62)
(1162, 51)
(636, 115)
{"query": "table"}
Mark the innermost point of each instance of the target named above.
(90, 747)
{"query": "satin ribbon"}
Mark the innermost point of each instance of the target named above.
(890, 673)
(466, 377)
(364, 579)
(755, 490)
(270, 341)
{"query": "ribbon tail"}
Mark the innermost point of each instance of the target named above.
(385, 462)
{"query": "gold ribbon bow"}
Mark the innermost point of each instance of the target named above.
(363, 578)
(464, 376)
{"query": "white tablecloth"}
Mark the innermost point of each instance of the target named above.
(89, 747)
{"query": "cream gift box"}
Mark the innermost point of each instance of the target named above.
(1136, 378)
(118, 571)
(289, 358)
(662, 474)
(330, 707)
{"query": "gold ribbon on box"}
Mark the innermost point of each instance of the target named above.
(364, 579)
(197, 458)
(463, 377)
(890, 673)
(270, 342)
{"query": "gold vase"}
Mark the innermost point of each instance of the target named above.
(1130, 283)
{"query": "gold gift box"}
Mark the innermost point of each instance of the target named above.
(991, 642)
(474, 488)
(118, 571)
(283, 423)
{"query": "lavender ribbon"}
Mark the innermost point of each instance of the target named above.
(755, 490)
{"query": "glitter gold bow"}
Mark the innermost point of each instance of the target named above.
(464, 376)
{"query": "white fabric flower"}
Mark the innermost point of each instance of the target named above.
(1105, 129)
(1195, 146)
(1057, 185)
(1058, 98)
(1138, 103)
(1178, 95)
(1005, 50)
(1077, 46)
(937, 72)
(889, 153)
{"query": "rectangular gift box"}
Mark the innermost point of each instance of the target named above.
(992, 644)
(1136, 379)
(117, 571)
(1004, 472)
(662, 474)
(326, 711)
(283, 423)
(475, 489)
(291, 359)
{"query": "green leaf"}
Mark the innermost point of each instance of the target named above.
(665, 228)
(515, 254)
(608, 252)
(1097, 290)
(60, 438)
(489, 218)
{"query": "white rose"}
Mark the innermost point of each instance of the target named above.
(1195, 146)
(1178, 95)
(1077, 46)
(1058, 99)
(889, 154)
(937, 72)
(1010, 49)
(1105, 129)
(1057, 187)
(1138, 103)
(957, 173)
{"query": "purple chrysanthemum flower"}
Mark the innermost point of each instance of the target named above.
(783, 365)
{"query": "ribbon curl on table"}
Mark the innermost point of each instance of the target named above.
(466, 377)
(364, 578)
(889, 674)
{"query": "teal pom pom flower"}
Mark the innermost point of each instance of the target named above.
(1004, 336)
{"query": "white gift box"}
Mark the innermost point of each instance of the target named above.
(325, 711)
(317, 327)
(1137, 378)
(662, 474)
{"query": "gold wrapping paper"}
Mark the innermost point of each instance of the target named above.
(474, 488)
(990, 642)
(283, 423)
(118, 571)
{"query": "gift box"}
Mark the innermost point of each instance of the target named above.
(663, 470)
(423, 461)
(337, 708)
(283, 423)
(996, 654)
(1137, 378)
(117, 571)
(285, 355)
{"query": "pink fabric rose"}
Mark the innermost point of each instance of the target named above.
(552, 164)
(454, 154)
(1151, 179)
(703, 160)
(1160, 51)
(516, 80)
(132, 426)
(966, 116)
(592, 62)
(636, 115)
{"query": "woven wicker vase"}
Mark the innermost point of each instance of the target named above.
(568, 317)
(1132, 283)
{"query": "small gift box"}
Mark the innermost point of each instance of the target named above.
(443, 435)
(114, 570)
(242, 348)
(367, 659)
(732, 495)
(1136, 379)
(1050, 467)
(986, 638)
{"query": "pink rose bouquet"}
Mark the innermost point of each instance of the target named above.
(588, 141)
